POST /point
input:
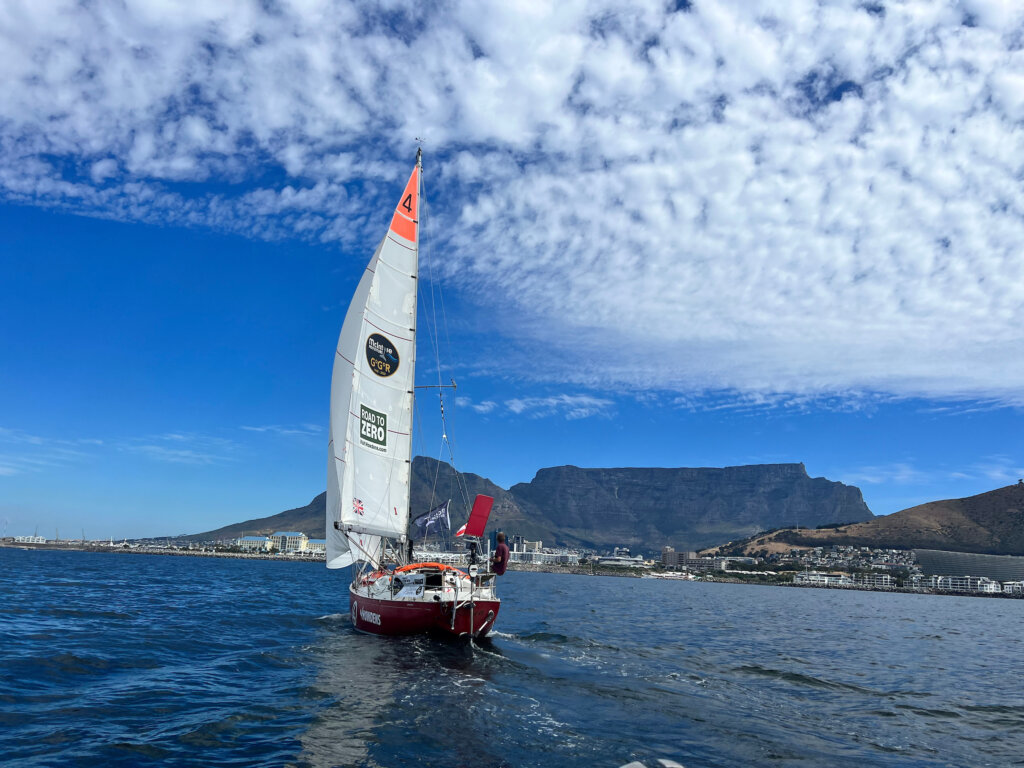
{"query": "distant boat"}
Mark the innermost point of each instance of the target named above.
(369, 457)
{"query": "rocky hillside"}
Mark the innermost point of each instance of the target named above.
(989, 523)
(643, 509)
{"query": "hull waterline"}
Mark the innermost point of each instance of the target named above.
(415, 617)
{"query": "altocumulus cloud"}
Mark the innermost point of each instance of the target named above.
(763, 198)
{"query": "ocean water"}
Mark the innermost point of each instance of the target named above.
(135, 660)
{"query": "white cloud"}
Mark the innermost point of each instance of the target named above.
(900, 473)
(485, 406)
(567, 406)
(1000, 469)
(1003, 469)
(178, 455)
(764, 199)
(182, 448)
(302, 429)
(35, 453)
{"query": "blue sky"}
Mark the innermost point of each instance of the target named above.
(734, 233)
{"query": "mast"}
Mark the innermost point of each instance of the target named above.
(416, 325)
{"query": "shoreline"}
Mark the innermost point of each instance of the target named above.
(571, 570)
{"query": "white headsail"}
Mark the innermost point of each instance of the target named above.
(370, 439)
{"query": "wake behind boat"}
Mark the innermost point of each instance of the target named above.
(369, 457)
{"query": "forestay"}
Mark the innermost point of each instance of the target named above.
(370, 438)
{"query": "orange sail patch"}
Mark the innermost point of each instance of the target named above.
(403, 223)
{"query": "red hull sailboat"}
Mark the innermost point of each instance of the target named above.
(369, 457)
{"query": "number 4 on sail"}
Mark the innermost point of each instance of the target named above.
(369, 457)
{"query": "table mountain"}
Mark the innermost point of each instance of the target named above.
(641, 508)
(646, 508)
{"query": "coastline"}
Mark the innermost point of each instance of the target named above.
(572, 570)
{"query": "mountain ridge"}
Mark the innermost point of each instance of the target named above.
(991, 522)
(643, 508)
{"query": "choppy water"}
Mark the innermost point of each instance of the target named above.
(146, 660)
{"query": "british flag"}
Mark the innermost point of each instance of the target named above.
(357, 506)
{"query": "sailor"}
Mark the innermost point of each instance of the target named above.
(500, 560)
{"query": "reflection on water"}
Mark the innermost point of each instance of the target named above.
(340, 733)
(392, 694)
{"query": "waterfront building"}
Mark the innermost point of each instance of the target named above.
(691, 562)
(253, 543)
(620, 559)
(29, 539)
(526, 552)
(316, 546)
(875, 580)
(981, 584)
(289, 542)
(816, 579)
(1013, 587)
(458, 559)
(546, 557)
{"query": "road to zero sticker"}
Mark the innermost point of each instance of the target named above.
(381, 355)
(373, 428)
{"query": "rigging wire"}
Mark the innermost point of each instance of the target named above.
(437, 297)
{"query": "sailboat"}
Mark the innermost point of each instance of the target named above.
(369, 457)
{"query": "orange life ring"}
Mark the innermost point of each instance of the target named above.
(438, 566)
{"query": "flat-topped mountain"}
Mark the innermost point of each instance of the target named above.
(989, 523)
(646, 508)
(641, 508)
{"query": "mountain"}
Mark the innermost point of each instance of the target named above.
(641, 508)
(647, 508)
(989, 523)
(308, 519)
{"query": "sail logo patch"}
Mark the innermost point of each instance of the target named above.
(373, 428)
(381, 355)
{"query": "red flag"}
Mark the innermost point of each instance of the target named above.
(478, 517)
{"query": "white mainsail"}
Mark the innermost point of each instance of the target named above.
(370, 438)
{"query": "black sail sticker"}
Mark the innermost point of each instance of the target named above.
(381, 355)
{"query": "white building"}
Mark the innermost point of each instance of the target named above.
(445, 558)
(29, 539)
(545, 557)
(815, 579)
(621, 561)
(981, 584)
(253, 543)
(289, 542)
(316, 546)
(876, 580)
